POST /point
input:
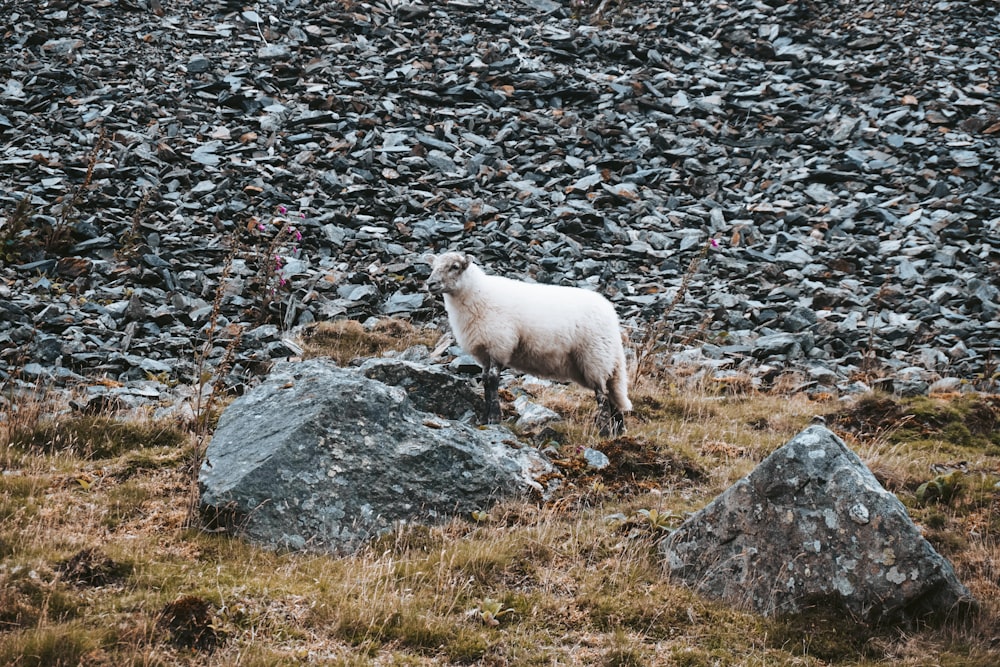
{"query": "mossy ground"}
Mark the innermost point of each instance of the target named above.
(100, 563)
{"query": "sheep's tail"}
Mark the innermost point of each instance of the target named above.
(618, 386)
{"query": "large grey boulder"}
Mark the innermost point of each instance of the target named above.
(811, 525)
(322, 458)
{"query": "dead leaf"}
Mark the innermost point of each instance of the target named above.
(735, 240)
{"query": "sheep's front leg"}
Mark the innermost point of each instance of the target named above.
(491, 393)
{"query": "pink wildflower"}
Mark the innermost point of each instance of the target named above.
(282, 210)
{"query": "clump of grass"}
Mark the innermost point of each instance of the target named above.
(11, 245)
(125, 502)
(93, 436)
(28, 599)
(626, 650)
(57, 237)
(908, 442)
(55, 645)
(822, 629)
(649, 406)
(347, 340)
(657, 338)
(188, 620)
(967, 421)
(92, 567)
(129, 242)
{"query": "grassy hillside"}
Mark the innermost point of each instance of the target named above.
(102, 561)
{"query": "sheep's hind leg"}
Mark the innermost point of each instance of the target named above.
(491, 394)
(610, 419)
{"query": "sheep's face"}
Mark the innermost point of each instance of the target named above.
(447, 272)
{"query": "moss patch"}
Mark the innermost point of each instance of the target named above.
(967, 421)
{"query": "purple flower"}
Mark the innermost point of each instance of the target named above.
(282, 210)
(715, 243)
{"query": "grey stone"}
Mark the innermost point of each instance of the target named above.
(547, 6)
(531, 415)
(946, 384)
(809, 524)
(596, 459)
(34, 370)
(401, 302)
(357, 292)
(798, 258)
(823, 374)
(440, 161)
(323, 458)
(907, 272)
(466, 364)
(273, 51)
(799, 318)
(790, 345)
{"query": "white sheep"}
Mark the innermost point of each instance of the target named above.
(561, 333)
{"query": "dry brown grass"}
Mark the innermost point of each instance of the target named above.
(347, 340)
(97, 566)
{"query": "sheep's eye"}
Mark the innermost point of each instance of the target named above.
(456, 266)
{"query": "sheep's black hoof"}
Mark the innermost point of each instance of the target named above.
(493, 415)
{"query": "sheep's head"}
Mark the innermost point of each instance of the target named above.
(447, 271)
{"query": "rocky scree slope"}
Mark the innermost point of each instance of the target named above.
(828, 168)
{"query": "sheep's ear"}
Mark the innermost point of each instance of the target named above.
(428, 258)
(465, 259)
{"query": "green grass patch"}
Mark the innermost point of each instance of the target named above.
(26, 600)
(58, 645)
(93, 436)
(125, 501)
(965, 422)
